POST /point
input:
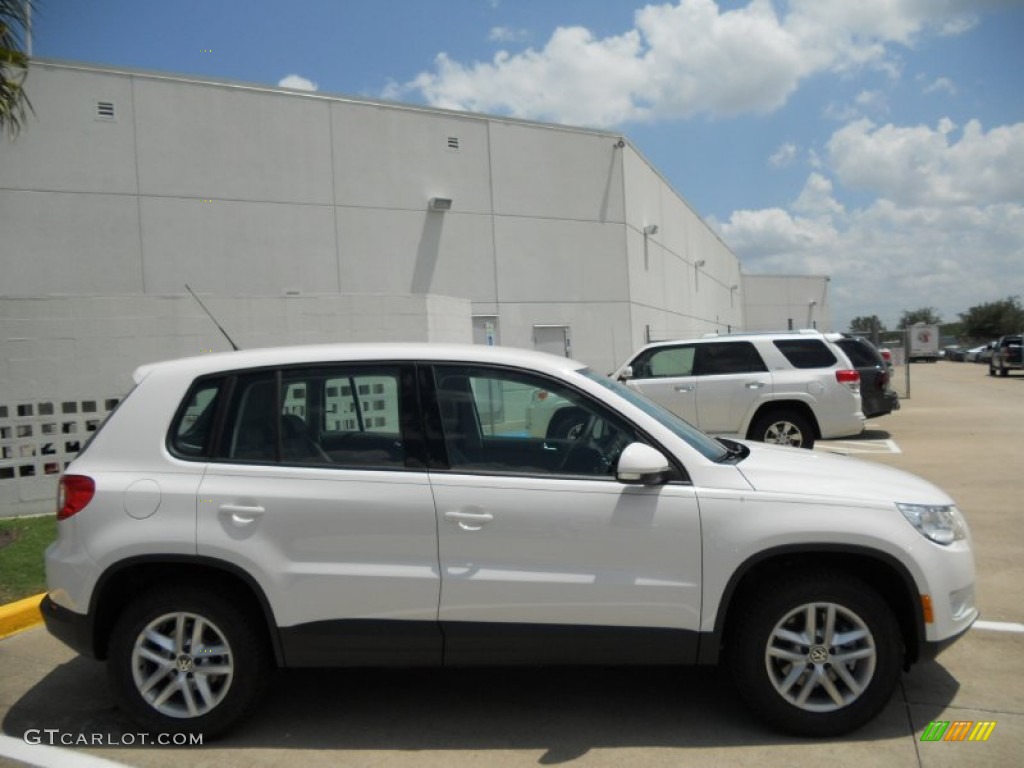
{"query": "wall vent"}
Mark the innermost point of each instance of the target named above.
(453, 143)
(105, 110)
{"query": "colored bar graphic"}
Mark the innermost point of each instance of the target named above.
(958, 730)
(935, 730)
(982, 730)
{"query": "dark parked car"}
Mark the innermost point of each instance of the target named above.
(877, 398)
(1007, 355)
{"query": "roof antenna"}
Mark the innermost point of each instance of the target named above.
(210, 314)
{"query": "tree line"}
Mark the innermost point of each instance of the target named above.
(981, 322)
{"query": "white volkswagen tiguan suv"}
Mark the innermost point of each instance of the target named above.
(385, 505)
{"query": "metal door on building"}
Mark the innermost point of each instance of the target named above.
(553, 339)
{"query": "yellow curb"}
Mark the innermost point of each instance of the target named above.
(20, 615)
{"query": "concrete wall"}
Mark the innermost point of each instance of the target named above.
(683, 279)
(778, 302)
(66, 361)
(241, 190)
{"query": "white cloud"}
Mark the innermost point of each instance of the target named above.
(507, 35)
(941, 85)
(784, 156)
(947, 223)
(919, 165)
(817, 198)
(687, 59)
(298, 82)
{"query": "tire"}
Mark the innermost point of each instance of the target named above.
(567, 424)
(161, 681)
(783, 427)
(1003, 371)
(803, 687)
(991, 370)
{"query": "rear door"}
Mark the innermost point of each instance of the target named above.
(732, 380)
(318, 489)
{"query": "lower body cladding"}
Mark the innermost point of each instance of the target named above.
(422, 643)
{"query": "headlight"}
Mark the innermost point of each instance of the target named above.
(942, 524)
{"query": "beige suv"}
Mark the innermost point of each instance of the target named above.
(787, 388)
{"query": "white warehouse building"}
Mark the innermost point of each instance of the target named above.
(303, 217)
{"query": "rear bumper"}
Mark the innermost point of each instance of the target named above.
(883, 404)
(75, 630)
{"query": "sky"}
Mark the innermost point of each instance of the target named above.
(880, 142)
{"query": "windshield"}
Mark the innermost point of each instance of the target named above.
(709, 447)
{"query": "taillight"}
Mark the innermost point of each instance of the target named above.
(75, 492)
(848, 377)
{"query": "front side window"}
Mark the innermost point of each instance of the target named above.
(494, 420)
(708, 446)
(665, 362)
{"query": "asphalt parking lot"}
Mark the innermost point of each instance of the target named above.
(961, 429)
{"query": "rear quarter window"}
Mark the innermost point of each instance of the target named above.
(806, 353)
(193, 425)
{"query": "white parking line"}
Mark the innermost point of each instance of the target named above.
(999, 626)
(858, 446)
(46, 756)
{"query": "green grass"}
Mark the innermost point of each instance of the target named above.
(22, 543)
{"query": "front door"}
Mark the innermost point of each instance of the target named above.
(667, 376)
(545, 557)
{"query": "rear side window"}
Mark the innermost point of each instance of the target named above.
(328, 417)
(193, 427)
(806, 353)
(724, 357)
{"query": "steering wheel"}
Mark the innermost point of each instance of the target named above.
(583, 438)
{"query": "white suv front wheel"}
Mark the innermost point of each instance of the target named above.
(818, 655)
(187, 661)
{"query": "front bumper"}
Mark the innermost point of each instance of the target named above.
(928, 650)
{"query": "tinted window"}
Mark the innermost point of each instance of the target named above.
(861, 353)
(324, 417)
(664, 362)
(193, 428)
(493, 421)
(722, 357)
(708, 446)
(806, 353)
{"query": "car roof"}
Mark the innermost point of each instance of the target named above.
(750, 336)
(362, 352)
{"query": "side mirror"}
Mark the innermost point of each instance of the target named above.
(640, 464)
(626, 374)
